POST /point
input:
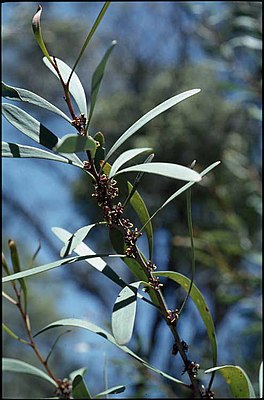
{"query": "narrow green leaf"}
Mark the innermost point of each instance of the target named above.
(16, 267)
(55, 264)
(125, 157)
(169, 170)
(75, 240)
(200, 305)
(106, 335)
(149, 116)
(14, 365)
(79, 388)
(90, 35)
(12, 334)
(32, 128)
(181, 190)
(96, 81)
(76, 89)
(37, 33)
(72, 143)
(113, 390)
(14, 150)
(18, 94)
(237, 379)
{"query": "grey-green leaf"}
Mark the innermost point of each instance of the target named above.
(200, 303)
(124, 313)
(14, 365)
(75, 87)
(79, 388)
(113, 390)
(125, 157)
(149, 116)
(72, 143)
(75, 240)
(55, 264)
(237, 379)
(106, 335)
(97, 79)
(165, 169)
(18, 94)
(13, 150)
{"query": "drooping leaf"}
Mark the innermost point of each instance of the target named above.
(37, 33)
(14, 150)
(124, 313)
(80, 371)
(75, 87)
(113, 390)
(125, 157)
(97, 79)
(75, 240)
(33, 129)
(237, 379)
(18, 94)
(72, 143)
(79, 388)
(182, 189)
(200, 303)
(106, 335)
(55, 264)
(149, 116)
(91, 33)
(14, 365)
(169, 170)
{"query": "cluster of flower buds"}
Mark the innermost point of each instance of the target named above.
(191, 367)
(113, 213)
(172, 317)
(105, 190)
(207, 393)
(155, 283)
(64, 389)
(151, 266)
(175, 348)
(79, 124)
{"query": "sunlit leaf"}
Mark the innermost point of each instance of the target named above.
(79, 388)
(106, 335)
(125, 157)
(97, 79)
(75, 87)
(14, 365)
(165, 169)
(55, 264)
(200, 303)
(75, 143)
(18, 94)
(261, 380)
(75, 240)
(13, 150)
(113, 390)
(149, 116)
(237, 379)
(124, 313)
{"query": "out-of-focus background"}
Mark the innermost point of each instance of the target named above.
(163, 48)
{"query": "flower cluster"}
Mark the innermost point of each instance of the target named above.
(192, 367)
(64, 389)
(175, 348)
(207, 393)
(172, 317)
(155, 283)
(105, 191)
(79, 124)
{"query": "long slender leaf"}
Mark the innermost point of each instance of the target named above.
(75, 87)
(72, 143)
(261, 380)
(12, 334)
(125, 157)
(96, 81)
(169, 170)
(90, 35)
(37, 33)
(149, 116)
(106, 335)
(14, 365)
(112, 390)
(33, 129)
(200, 303)
(79, 388)
(181, 190)
(14, 150)
(18, 94)
(124, 313)
(237, 379)
(16, 267)
(75, 240)
(55, 264)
